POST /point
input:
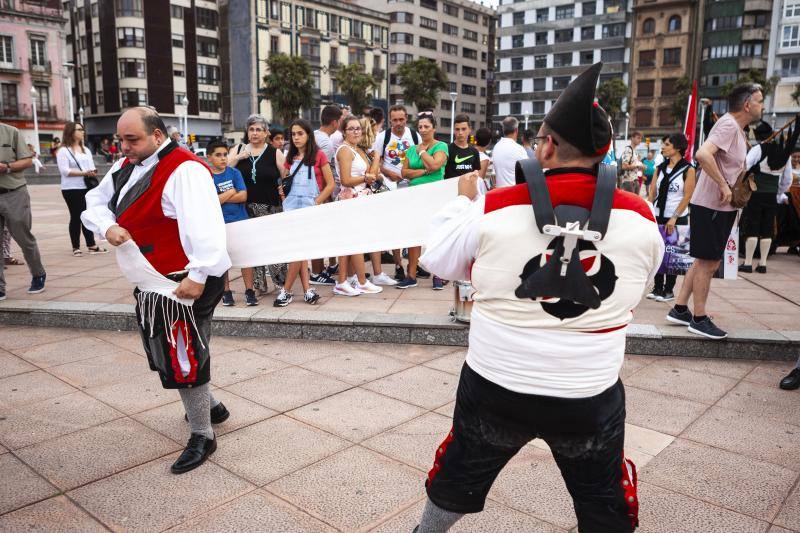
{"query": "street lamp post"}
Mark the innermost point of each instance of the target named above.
(34, 96)
(774, 118)
(627, 123)
(453, 97)
(80, 114)
(185, 103)
(68, 82)
(527, 114)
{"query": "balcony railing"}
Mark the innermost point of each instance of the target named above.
(25, 111)
(40, 70)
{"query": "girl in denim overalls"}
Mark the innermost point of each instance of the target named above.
(311, 184)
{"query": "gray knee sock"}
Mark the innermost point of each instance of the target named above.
(196, 401)
(436, 520)
(214, 401)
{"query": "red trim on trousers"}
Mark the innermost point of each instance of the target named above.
(181, 328)
(630, 481)
(438, 457)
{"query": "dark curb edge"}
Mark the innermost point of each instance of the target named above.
(642, 339)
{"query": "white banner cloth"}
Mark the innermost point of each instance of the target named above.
(138, 270)
(384, 221)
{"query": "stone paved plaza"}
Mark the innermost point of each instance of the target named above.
(328, 436)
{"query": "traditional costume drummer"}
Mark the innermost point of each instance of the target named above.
(558, 262)
(160, 207)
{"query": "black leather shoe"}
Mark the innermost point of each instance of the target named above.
(196, 452)
(747, 269)
(761, 269)
(792, 381)
(219, 414)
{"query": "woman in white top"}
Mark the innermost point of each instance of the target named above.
(352, 166)
(76, 165)
(670, 192)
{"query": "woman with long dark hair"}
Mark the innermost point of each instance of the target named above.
(261, 166)
(311, 184)
(78, 174)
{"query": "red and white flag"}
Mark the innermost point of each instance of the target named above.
(690, 124)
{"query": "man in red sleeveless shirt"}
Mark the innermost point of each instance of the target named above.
(163, 198)
(545, 367)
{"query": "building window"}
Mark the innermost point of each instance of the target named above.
(93, 9)
(517, 41)
(791, 8)
(470, 72)
(401, 38)
(452, 87)
(98, 68)
(562, 60)
(207, 74)
(176, 11)
(208, 102)
(539, 84)
(647, 58)
(38, 48)
(309, 48)
(425, 42)
(132, 37)
(672, 56)
(542, 14)
(6, 51)
(519, 18)
(723, 23)
(425, 22)
(515, 108)
(470, 16)
(133, 97)
(564, 36)
(207, 19)
(274, 46)
(132, 68)
(541, 38)
(8, 99)
(589, 8)
(516, 86)
(430, 4)
(469, 53)
(399, 59)
(668, 86)
(43, 100)
(468, 89)
(398, 16)
(649, 27)
(449, 29)
(612, 55)
(516, 63)
(450, 49)
(471, 35)
(207, 47)
(587, 33)
(715, 52)
(179, 98)
(565, 12)
(179, 70)
(100, 98)
(790, 36)
(540, 61)
(752, 49)
(665, 117)
(587, 57)
(467, 107)
(177, 40)
(560, 82)
(354, 55)
(129, 8)
(450, 68)
(645, 88)
(790, 66)
(674, 24)
(644, 118)
(613, 30)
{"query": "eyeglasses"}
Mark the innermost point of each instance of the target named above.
(353, 130)
(544, 138)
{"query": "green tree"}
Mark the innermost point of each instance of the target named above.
(753, 76)
(288, 86)
(422, 79)
(683, 89)
(610, 95)
(356, 85)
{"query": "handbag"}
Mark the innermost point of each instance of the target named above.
(743, 189)
(90, 181)
(286, 183)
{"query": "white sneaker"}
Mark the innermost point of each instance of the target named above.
(369, 288)
(383, 279)
(353, 280)
(345, 289)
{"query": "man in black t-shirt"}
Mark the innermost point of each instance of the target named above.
(463, 157)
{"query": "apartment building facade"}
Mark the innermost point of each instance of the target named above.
(545, 44)
(784, 60)
(328, 33)
(133, 52)
(735, 40)
(664, 49)
(459, 35)
(32, 70)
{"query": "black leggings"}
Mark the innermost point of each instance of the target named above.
(76, 203)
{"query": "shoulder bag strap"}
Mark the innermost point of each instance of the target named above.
(73, 158)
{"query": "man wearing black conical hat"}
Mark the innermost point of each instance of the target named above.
(547, 333)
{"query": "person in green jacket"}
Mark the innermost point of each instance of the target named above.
(424, 163)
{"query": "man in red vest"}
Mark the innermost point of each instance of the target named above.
(557, 264)
(163, 198)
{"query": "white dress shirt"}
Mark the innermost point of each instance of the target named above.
(505, 155)
(189, 197)
(754, 156)
(68, 159)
